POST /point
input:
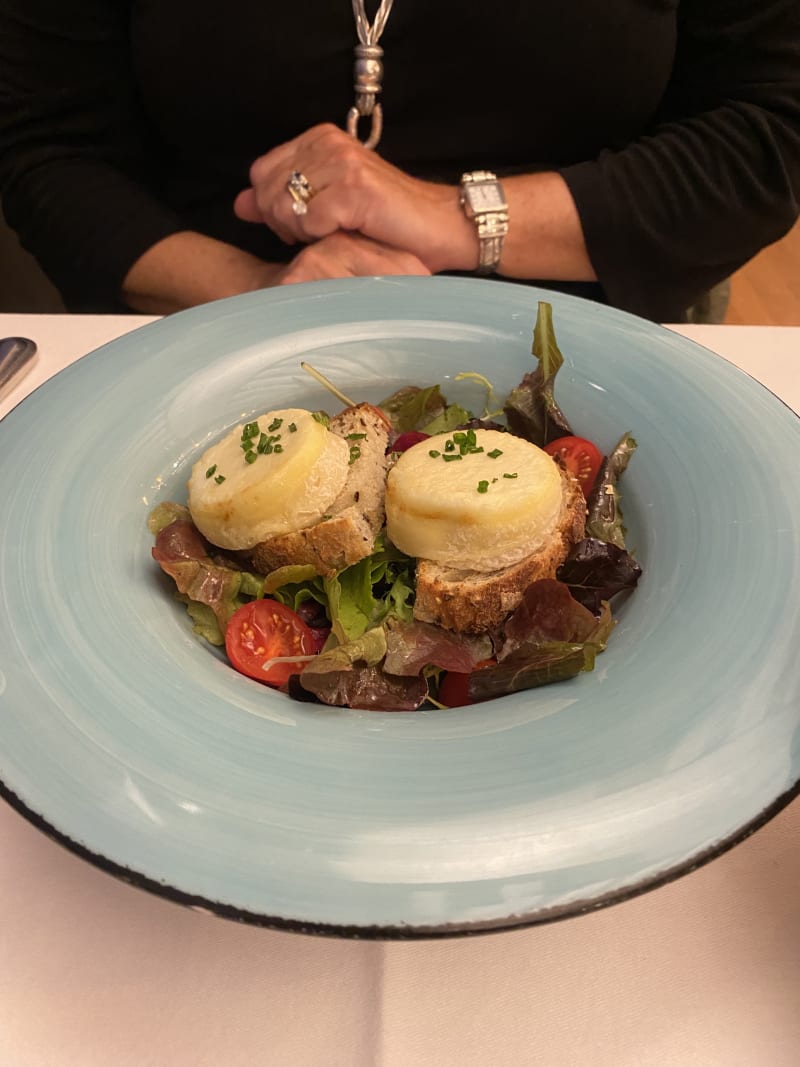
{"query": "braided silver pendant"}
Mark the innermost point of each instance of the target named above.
(367, 75)
(368, 72)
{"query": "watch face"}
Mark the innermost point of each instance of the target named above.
(485, 196)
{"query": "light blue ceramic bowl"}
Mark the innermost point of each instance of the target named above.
(132, 742)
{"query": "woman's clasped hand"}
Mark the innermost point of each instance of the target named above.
(354, 192)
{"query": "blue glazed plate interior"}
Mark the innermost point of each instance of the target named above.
(134, 743)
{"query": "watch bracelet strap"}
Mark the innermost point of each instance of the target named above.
(492, 229)
(479, 176)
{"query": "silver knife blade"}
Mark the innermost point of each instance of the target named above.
(16, 359)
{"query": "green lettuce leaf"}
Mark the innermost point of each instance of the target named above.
(411, 407)
(530, 408)
(604, 513)
(451, 418)
(368, 649)
(358, 597)
(206, 624)
(295, 575)
(367, 592)
(164, 514)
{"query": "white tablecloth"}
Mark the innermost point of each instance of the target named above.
(704, 972)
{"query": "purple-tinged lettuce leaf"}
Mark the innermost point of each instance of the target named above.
(531, 408)
(365, 687)
(548, 613)
(595, 571)
(483, 424)
(180, 541)
(411, 647)
(351, 676)
(182, 553)
(548, 638)
(530, 666)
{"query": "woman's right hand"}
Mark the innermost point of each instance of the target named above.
(347, 255)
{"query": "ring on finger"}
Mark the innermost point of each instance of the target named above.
(301, 191)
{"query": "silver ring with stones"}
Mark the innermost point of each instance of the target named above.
(301, 191)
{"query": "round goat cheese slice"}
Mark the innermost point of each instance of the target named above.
(475, 500)
(274, 475)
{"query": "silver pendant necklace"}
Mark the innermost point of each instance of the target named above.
(368, 71)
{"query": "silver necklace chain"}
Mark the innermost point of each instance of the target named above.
(368, 70)
(371, 34)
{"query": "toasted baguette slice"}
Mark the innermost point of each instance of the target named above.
(357, 514)
(470, 601)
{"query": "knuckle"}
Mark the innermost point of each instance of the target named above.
(351, 157)
(309, 258)
(328, 132)
(257, 169)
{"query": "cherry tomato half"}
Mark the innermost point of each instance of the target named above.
(263, 630)
(579, 456)
(454, 687)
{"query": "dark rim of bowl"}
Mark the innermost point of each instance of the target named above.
(404, 932)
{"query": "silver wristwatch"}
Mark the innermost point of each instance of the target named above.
(483, 201)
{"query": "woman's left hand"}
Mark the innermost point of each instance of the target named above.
(356, 190)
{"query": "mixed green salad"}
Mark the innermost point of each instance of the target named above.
(352, 640)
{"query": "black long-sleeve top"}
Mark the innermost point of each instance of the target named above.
(675, 123)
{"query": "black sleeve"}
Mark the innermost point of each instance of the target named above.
(74, 173)
(717, 177)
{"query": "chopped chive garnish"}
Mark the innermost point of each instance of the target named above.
(494, 453)
(514, 475)
(250, 430)
(292, 428)
(275, 425)
(493, 480)
(474, 451)
(449, 446)
(320, 416)
(220, 478)
(325, 518)
(277, 448)
(451, 456)
(434, 454)
(262, 442)
(250, 457)
(355, 437)
(483, 487)
(355, 453)
(211, 470)
(471, 438)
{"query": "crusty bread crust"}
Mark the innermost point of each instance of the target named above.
(357, 514)
(476, 602)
